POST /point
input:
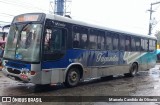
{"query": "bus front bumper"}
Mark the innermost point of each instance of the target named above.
(21, 77)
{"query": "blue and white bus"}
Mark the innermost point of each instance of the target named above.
(47, 49)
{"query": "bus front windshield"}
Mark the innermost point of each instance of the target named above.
(23, 42)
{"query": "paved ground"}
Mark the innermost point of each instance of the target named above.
(146, 83)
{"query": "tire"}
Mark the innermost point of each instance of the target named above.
(133, 70)
(72, 77)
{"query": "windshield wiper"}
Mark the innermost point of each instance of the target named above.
(24, 27)
(19, 36)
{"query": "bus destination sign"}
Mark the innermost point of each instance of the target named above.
(28, 17)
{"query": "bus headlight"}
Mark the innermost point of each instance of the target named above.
(4, 62)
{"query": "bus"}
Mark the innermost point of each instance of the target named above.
(3, 36)
(158, 52)
(49, 49)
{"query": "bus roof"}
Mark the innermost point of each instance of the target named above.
(69, 20)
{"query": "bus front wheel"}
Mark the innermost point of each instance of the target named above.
(72, 77)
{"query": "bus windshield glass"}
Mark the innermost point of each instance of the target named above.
(23, 42)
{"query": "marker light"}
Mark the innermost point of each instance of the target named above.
(32, 72)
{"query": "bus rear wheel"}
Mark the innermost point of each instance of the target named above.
(133, 70)
(72, 77)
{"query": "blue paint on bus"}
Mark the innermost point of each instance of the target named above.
(18, 65)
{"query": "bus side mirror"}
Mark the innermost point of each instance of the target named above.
(3, 36)
(6, 26)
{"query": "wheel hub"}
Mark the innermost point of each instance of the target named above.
(73, 76)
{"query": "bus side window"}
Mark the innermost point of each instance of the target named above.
(146, 44)
(115, 42)
(122, 42)
(83, 41)
(54, 39)
(80, 37)
(76, 40)
(152, 44)
(137, 44)
(57, 39)
(100, 40)
(128, 43)
(55, 43)
(47, 41)
(93, 39)
(133, 44)
(109, 45)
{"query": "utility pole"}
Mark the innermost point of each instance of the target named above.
(150, 19)
(61, 7)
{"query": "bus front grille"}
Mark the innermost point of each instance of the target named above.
(15, 71)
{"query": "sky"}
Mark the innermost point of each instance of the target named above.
(125, 15)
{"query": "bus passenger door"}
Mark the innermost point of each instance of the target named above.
(54, 53)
